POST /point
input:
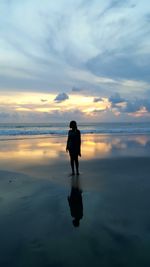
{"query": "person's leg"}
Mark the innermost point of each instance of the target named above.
(77, 165)
(72, 164)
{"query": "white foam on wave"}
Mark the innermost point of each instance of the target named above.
(85, 129)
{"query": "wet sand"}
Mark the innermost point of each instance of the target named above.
(36, 226)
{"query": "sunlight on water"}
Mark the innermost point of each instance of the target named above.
(48, 150)
(92, 149)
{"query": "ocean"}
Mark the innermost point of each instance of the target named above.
(114, 188)
(49, 129)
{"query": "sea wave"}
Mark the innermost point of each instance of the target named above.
(16, 131)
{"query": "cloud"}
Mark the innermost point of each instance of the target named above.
(146, 104)
(99, 111)
(114, 4)
(116, 99)
(120, 105)
(55, 40)
(76, 89)
(5, 115)
(44, 100)
(61, 97)
(96, 48)
(9, 116)
(127, 66)
(130, 105)
(97, 99)
(66, 116)
(136, 105)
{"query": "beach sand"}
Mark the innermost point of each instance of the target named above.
(36, 226)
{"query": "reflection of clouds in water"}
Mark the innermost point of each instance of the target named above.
(101, 146)
(93, 146)
(32, 149)
(142, 140)
(118, 143)
(32, 154)
(104, 146)
(92, 149)
(45, 157)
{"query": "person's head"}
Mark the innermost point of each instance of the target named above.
(73, 125)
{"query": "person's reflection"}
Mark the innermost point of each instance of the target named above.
(75, 201)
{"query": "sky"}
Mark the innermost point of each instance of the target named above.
(86, 60)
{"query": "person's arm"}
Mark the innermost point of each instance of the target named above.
(79, 144)
(68, 140)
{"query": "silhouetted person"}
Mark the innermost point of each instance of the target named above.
(74, 146)
(75, 203)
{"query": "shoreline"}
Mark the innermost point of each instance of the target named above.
(26, 137)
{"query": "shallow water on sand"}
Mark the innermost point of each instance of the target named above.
(110, 199)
